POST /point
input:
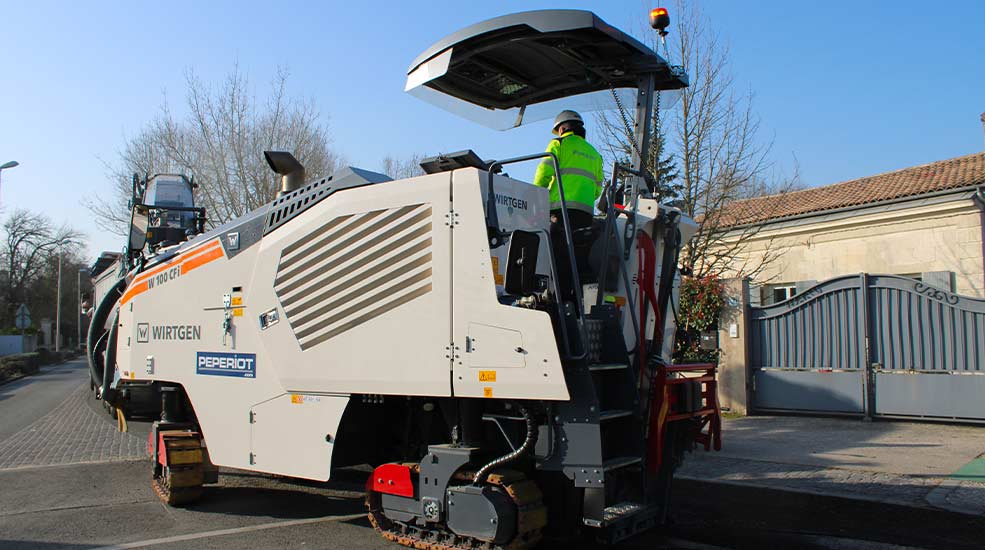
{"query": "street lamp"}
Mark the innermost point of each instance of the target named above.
(58, 306)
(6, 165)
(80, 315)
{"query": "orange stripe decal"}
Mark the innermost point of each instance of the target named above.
(171, 263)
(193, 259)
(201, 260)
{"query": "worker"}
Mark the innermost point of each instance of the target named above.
(581, 178)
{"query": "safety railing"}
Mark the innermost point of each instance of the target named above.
(496, 239)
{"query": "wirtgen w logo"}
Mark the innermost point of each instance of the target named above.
(143, 333)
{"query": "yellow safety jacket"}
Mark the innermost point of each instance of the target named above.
(581, 172)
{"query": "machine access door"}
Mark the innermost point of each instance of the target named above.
(501, 351)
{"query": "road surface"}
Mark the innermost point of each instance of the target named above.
(69, 480)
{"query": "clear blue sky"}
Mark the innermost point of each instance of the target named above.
(849, 88)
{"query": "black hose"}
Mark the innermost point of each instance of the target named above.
(668, 268)
(96, 332)
(109, 359)
(528, 445)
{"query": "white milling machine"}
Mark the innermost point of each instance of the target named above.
(413, 325)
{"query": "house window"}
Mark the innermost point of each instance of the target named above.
(782, 292)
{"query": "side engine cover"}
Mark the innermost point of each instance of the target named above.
(486, 513)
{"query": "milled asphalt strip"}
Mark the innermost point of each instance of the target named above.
(77, 507)
(234, 531)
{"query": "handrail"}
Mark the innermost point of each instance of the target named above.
(611, 216)
(496, 235)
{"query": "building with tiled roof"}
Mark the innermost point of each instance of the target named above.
(926, 222)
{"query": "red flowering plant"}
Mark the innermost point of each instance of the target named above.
(701, 302)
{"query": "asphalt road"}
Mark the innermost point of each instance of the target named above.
(67, 499)
(28, 399)
(84, 500)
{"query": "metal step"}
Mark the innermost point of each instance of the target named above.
(621, 510)
(620, 462)
(613, 414)
(606, 366)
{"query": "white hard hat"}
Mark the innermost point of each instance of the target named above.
(566, 116)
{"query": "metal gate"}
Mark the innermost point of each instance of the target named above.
(871, 345)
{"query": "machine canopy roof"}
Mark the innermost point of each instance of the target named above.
(528, 66)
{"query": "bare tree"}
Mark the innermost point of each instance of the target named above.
(220, 143)
(30, 240)
(403, 168)
(712, 141)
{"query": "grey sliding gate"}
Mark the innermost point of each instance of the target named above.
(873, 345)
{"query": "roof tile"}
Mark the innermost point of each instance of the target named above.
(918, 180)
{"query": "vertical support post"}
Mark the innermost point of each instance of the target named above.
(869, 377)
(734, 376)
(78, 311)
(58, 305)
(644, 121)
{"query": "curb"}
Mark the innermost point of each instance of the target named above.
(23, 376)
(936, 499)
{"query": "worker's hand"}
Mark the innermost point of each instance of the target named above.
(603, 203)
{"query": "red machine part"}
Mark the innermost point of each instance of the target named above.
(392, 479)
(660, 396)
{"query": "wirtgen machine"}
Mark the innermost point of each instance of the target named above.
(416, 326)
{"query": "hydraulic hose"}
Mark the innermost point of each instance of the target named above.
(109, 359)
(528, 445)
(96, 333)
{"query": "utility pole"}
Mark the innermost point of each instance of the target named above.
(58, 305)
(78, 313)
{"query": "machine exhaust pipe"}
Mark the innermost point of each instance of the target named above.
(290, 169)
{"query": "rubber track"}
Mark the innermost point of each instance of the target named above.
(176, 496)
(531, 518)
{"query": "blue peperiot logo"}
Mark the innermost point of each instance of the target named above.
(243, 365)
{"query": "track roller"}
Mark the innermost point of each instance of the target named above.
(525, 494)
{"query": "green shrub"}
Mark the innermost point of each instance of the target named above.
(701, 303)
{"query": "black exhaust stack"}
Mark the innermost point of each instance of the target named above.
(290, 170)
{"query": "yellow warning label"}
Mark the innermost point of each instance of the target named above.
(486, 392)
(487, 376)
(495, 267)
(237, 300)
(297, 399)
(238, 312)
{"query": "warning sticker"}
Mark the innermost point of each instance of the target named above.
(487, 376)
(486, 392)
(299, 399)
(495, 268)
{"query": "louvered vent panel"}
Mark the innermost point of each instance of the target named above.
(353, 269)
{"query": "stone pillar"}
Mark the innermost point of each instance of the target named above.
(733, 371)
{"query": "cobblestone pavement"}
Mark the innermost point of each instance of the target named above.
(894, 463)
(71, 433)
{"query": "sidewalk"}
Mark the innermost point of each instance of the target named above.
(905, 463)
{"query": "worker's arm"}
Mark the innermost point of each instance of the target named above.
(599, 178)
(545, 170)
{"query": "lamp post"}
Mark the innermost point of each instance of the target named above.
(80, 314)
(6, 165)
(58, 305)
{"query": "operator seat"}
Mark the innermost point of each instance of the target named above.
(171, 199)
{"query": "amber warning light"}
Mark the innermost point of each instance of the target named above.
(659, 19)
